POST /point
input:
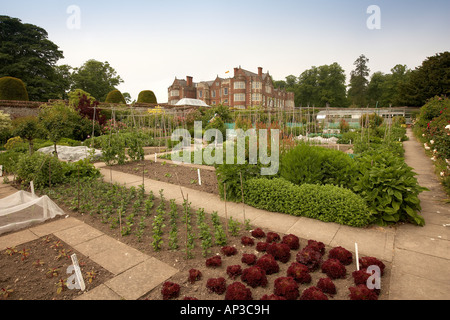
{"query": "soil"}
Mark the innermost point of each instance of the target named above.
(167, 171)
(175, 258)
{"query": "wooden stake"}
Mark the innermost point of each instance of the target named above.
(226, 215)
(242, 192)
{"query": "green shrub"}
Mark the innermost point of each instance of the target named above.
(115, 96)
(317, 165)
(13, 89)
(113, 149)
(327, 203)
(41, 169)
(147, 96)
(389, 187)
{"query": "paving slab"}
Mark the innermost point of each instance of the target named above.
(311, 229)
(101, 292)
(78, 234)
(137, 281)
(16, 239)
(55, 226)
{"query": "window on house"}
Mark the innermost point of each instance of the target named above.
(174, 93)
(200, 94)
(256, 85)
(239, 97)
(239, 85)
(225, 91)
(213, 93)
(256, 97)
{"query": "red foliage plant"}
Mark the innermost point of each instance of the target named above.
(316, 245)
(258, 233)
(272, 237)
(286, 287)
(272, 297)
(229, 251)
(238, 291)
(292, 241)
(234, 271)
(170, 290)
(190, 298)
(194, 275)
(341, 254)
(214, 262)
(254, 276)
(262, 246)
(216, 285)
(326, 285)
(299, 272)
(268, 263)
(247, 241)
(360, 276)
(366, 262)
(249, 258)
(310, 257)
(361, 292)
(334, 269)
(279, 251)
(313, 293)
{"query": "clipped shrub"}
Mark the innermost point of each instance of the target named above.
(268, 263)
(147, 96)
(313, 293)
(341, 254)
(326, 203)
(40, 168)
(216, 285)
(262, 246)
(13, 89)
(258, 233)
(362, 292)
(247, 241)
(272, 297)
(286, 287)
(254, 276)
(238, 291)
(280, 251)
(214, 262)
(229, 251)
(309, 257)
(234, 271)
(316, 245)
(272, 237)
(366, 262)
(194, 275)
(249, 258)
(115, 96)
(299, 272)
(170, 290)
(334, 269)
(326, 285)
(292, 241)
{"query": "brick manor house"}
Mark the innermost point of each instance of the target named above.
(243, 90)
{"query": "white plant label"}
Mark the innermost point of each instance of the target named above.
(75, 281)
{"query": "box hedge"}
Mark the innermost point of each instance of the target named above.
(147, 96)
(327, 203)
(115, 96)
(13, 89)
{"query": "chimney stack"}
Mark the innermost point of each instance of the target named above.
(260, 71)
(189, 81)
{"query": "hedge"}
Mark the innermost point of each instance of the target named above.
(326, 203)
(13, 89)
(147, 96)
(115, 96)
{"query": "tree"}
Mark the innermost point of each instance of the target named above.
(375, 89)
(358, 82)
(97, 78)
(431, 79)
(27, 54)
(28, 128)
(64, 80)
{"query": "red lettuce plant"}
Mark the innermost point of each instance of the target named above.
(272, 297)
(326, 285)
(214, 262)
(238, 291)
(334, 269)
(310, 258)
(247, 241)
(258, 233)
(194, 275)
(262, 246)
(279, 251)
(286, 287)
(249, 258)
(361, 292)
(254, 276)
(272, 237)
(170, 290)
(313, 293)
(361, 276)
(316, 245)
(268, 263)
(190, 298)
(292, 241)
(216, 285)
(341, 254)
(234, 271)
(299, 272)
(229, 251)
(366, 262)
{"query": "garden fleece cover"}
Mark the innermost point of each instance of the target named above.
(23, 209)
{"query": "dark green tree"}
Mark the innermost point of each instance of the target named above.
(27, 53)
(357, 92)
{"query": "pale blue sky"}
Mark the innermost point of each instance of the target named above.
(150, 43)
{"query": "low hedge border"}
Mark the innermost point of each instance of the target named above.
(326, 203)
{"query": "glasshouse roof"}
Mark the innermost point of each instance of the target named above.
(191, 102)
